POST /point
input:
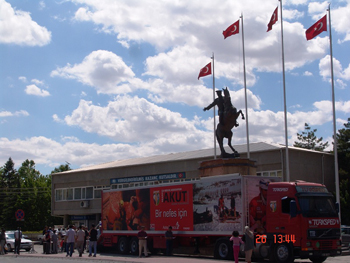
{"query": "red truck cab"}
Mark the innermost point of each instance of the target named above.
(302, 221)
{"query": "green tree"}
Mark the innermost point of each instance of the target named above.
(9, 181)
(308, 140)
(343, 147)
(61, 168)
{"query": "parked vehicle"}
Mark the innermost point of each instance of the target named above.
(290, 219)
(10, 242)
(345, 236)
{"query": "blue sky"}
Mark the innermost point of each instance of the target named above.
(90, 82)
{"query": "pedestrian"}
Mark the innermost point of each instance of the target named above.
(47, 242)
(70, 236)
(142, 235)
(93, 240)
(237, 241)
(18, 237)
(80, 240)
(169, 241)
(43, 238)
(54, 242)
(86, 237)
(2, 242)
(248, 244)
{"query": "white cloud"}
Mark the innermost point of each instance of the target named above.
(23, 79)
(325, 69)
(125, 119)
(37, 82)
(34, 90)
(102, 70)
(17, 27)
(13, 114)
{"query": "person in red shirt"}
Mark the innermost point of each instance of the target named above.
(257, 209)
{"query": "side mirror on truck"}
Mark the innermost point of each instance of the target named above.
(293, 208)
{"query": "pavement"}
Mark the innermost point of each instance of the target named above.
(111, 256)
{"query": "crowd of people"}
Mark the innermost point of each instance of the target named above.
(67, 240)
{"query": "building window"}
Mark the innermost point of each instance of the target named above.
(59, 194)
(89, 192)
(270, 173)
(70, 194)
(77, 193)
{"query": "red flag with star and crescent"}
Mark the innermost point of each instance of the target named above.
(317, 28)
(205, 71)
(273, 20)
(231, 30)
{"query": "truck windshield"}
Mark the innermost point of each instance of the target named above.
(317, 206)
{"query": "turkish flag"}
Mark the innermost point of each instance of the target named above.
(231, 30)
(273, 20)
(317, 28)
(205, 71)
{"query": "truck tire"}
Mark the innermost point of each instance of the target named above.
(283, 253)
(223, 249)
(123, 245)
(319, 259)
(134, 246)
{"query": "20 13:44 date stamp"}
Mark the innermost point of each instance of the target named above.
(277, 238)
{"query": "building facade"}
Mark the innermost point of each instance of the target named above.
(76, 194)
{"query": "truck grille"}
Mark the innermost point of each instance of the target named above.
(323, 233)
(325, 244)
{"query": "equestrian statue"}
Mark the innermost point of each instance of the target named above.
(228, 115)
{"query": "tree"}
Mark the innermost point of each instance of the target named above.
(61, 168)
(343, 147)
(308, 140)
(9, 181)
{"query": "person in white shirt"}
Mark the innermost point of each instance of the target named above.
(70, 236)
(80, 240)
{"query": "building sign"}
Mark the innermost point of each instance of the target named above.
(87, 217)
(148, 178)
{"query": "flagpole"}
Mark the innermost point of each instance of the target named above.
(214, 106)
(245, 92)
(285, 101)
(335, 146)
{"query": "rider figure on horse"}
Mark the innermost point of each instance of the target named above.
(219, 101)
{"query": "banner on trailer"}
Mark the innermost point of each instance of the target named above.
(126, 210)
(217, 205)
(172, 206)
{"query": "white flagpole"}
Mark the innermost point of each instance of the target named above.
(335, 146)
(245, 92)
(285, 101)
(214, 106)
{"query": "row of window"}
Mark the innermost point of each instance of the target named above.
(270, 173)
(78, 193)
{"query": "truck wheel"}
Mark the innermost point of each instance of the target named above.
(223, 249)
(123, 246)
(319, 259)
(283, 253)
(134, 246)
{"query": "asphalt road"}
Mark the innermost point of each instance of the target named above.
(38, 257)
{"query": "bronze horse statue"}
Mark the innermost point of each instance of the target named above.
(223, 130)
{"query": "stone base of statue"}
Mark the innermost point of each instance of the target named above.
(223, 166)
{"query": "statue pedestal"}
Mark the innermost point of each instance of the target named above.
(227, 166)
